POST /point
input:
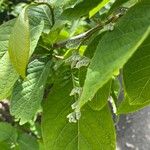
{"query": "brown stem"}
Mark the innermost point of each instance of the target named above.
(112, 19)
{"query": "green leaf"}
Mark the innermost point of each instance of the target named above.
(125, 107)
(101, 97)
(8, 76)
(38, 14)
(7, 132)
(79, 10)
(5, 30)
(27, 142)
(63, 3)
(115, 48)
(94, 130)
(35, 33)
(4, 146)
(19, 44)
(136, 75)
(27, 95)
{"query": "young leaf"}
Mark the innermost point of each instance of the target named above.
(115, 48)
(8, 75)
(125, 107)
(98, 8)
(27, 96)
(136, 75)
(59, 133)
(19, 44)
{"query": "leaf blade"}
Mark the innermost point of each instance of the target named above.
(125, 107)
(19, 44)
(58, 132)
(136, 75)
(110, 58)
(27, 96)
(5, 30)
(8, 75)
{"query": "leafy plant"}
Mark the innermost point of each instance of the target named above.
(68, 68)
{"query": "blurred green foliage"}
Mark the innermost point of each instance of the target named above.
(8, 8)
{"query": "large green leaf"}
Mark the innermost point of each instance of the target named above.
(101, 96)
(125, 107)
(19, 43)
(136, 75)
(115, 48)
(27, 95)
(8, 75)
(93, 131)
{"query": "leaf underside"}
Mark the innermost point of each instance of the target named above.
(28, 94)
(123, 42)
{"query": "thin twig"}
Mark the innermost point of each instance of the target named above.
(90, 32)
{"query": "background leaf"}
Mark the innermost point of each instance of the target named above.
(101, 97)
(125, 107)
(26, 141)
(136, 75)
